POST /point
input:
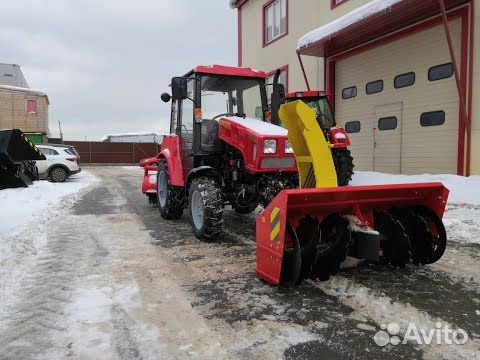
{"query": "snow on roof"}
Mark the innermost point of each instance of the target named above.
(327, 31)
(16, 88)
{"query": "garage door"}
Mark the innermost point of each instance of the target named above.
(399, 104)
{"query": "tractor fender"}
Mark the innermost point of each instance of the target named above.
(175, 171)
(203, 171)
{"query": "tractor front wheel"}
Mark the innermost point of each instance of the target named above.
(170, 199)
(206, 208)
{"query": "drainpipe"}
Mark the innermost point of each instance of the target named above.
(303, 71)
(470, 85)
(461, 95)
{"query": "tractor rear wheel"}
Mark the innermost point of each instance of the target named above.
(206, 208)
(170, 199)
(343, 161)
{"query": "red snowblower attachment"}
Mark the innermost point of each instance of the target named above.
(307, 233)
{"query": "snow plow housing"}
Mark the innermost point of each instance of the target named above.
(308, 232)
(17, 156)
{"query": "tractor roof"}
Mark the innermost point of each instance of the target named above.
(229, 70)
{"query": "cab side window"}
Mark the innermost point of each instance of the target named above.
(186, 116)
(174, 118)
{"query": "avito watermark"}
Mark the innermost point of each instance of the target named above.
(442, 334)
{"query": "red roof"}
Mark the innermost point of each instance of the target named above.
(398, 16)
(229, 70)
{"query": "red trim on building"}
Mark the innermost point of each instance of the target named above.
(282, 68)
(335, 3)
(264, 38)
(239, 37)
(463, 13)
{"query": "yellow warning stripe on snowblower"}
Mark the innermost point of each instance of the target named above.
(275, 225)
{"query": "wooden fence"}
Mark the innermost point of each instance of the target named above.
(93, 152)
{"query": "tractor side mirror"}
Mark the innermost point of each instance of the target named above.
(179, 88)
(165, 97)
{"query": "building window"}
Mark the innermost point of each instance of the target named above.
(404, 80)
(283, 79)
(31, 106)
(433, 118)
(388, 123)
(352, 127)
(374, 87)
(8, 75)
(440, 72)
(349, 92)
(335, 3)
(274, 20)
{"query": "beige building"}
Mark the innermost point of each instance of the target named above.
(24, 109)
(389, 69)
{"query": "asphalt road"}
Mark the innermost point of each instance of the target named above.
(203, 300)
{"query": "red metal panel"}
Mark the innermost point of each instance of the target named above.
(270, 252)
(171, 152)
(229, 70)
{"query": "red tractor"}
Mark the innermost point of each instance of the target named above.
(226, 147)
(222, 149)
(337, 137)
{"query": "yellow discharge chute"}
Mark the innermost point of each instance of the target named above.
(312, 151)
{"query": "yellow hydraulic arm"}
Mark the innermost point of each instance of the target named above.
(312, 151)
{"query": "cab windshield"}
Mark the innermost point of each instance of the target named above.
(325, 116)
(231, 95)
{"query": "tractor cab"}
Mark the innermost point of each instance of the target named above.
(317, 100)
(204, 95)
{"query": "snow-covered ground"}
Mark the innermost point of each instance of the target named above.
(26, 214)
(463, 190)
(111, 279)
(21, 206)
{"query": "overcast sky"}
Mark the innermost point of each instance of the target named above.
(105, 63)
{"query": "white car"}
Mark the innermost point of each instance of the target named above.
(62, 161)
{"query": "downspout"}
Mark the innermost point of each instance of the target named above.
(461, 95)
(470, 86)
(303, 71)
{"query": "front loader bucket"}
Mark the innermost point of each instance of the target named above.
(306, 233)
(17, 154)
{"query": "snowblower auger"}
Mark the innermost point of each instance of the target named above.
(307, 232)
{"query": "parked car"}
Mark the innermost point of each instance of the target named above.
(62, 161)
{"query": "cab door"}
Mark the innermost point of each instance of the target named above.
(185, 129)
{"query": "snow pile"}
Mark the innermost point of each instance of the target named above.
(21, 206)
(26, 215)
(463, 190)
(325, 32)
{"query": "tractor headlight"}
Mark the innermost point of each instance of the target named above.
(288, 147)
(270, 146)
